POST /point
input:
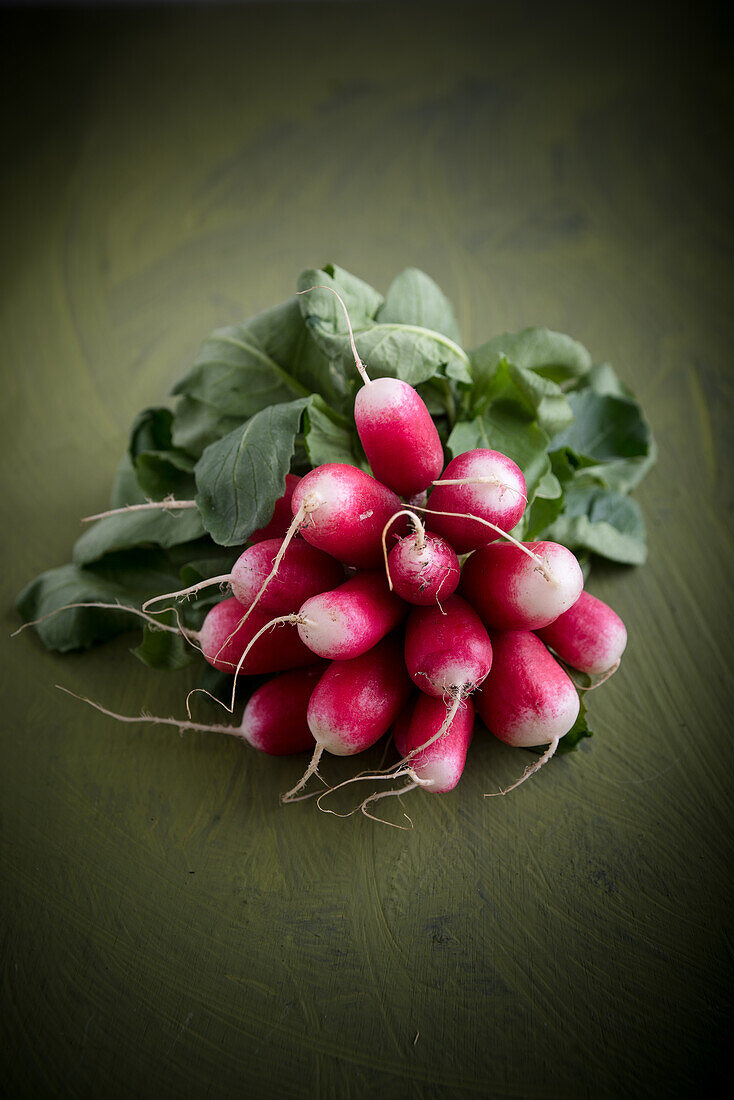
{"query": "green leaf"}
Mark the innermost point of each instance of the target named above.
(163, 650)
(521, 440)
(410, 352)
(578, 732)
(331, 438)
(414, 299)
(125, 488)
(525, 393)
(196, 425)
(128, 579)
(236, 376)
(551, 354)
(603, 522)
(611, 438)
(157, 527)
(240, 477)
(160, 468)
(602, 379)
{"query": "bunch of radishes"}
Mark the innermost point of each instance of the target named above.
(347, 572)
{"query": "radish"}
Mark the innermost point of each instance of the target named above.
(589, 636)
(480, 484)
(225, 640)
(275, 576)
(354, 703)
(351, 619)
(436, 768)
(273, 721)
(277, 527)
(447, 653)
(395, 427)
(527, 699)
(343, 511)
(421, 567)
(439, 766)
(521, 587)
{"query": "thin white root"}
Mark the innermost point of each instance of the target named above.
(234, 731)
(379, 776)
(357, 361)
(309, 504)
(420, 537)
(225, 578)
(445, 726)
(504, 534)
(389, 794)
(168, 504)
(480, 481)
(312, 769)
(530, 770)
(189, 635)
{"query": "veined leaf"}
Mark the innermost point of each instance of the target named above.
(240, 477)
(331, 438)
(128, 579)
(603, 522)
(414, 299)
(550, 354)
(196, 425)
(158, 527)
(611, 438)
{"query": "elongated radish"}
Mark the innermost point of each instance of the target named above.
(441, 764)
(347, 511)
(224, 637)
(481, 483)
(589, 636)
(421, 567)
(511, 591)
(273, 722)
(447, 652)
(351, 619)
(277, 582)
(395, 427)
(527, 700)
(355, 702)
(277, 527)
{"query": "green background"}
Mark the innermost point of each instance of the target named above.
(169, 929)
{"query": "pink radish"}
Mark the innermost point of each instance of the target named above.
(351, 619)
(527, 699)
(421, 567)
(448, 654)
(516, 589)
(449, 651)
(344, 511)
(273, 722)
(394, 426)
(589, 636)
(481, 484)
(224, 638)
(276, 576)
(441, 764)
(277, 527)
(355, 702)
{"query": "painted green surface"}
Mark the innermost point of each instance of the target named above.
(171, 931)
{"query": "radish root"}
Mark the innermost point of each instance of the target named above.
(420, 538)
(487, 480)
(189, 635)
(357, 361)
(530, 770)
(504, 534)
(168, 504)
(312, 769)
(182, 724)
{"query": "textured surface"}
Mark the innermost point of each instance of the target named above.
(170, 930)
